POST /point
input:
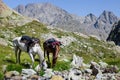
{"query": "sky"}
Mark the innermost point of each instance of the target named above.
(77, 7)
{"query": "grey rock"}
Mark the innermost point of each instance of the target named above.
(28, 72)
(77, 61)
(10, 74)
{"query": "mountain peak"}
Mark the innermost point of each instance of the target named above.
(108, 17)
(90, 18)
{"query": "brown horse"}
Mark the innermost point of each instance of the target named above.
(52, 46)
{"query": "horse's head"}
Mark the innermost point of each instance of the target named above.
(35, 41)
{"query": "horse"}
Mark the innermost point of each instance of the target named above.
(33, 50)
(52, 46)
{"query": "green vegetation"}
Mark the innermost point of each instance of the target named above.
(41, 73)
(1, 75)
(61, 65)
(15, 67)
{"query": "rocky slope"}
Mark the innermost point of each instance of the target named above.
(11, 17)
(57, 17)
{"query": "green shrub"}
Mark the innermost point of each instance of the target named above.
(1, 76)
(41, 73)
(13, 67)
(2, 36)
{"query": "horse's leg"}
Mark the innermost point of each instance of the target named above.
(31, 56)
(16, 51)
(54, 59)
(42, 59)
(55, 56)
(19, 53)
(48, 57)
(34, 56)
(49, 64)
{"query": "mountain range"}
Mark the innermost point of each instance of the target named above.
(57, 17)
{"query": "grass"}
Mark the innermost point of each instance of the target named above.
(61, 65)
(12, 67)
(1, 75)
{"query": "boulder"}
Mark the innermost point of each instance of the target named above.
(16, 78)
(103, 64)
(35, 77)
(56, 77)
(48, 73)
(28, 72)
(9, 74)
(77, 61)
(75, 74)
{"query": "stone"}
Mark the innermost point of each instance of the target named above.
(103, 64)
(77, 61)
(96, 65)
(28, 72)
(75, 74)
(112, 69)
(48, 73)
(11, 73)
(56, 77)
(16, 78)
(35, 77)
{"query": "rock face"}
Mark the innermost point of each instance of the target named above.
(115, 34)
(57, 17)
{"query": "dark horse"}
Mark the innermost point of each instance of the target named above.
(52, 46)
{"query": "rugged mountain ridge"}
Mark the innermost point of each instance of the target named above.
(115, 34)
(90, 18)
(57, 17)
